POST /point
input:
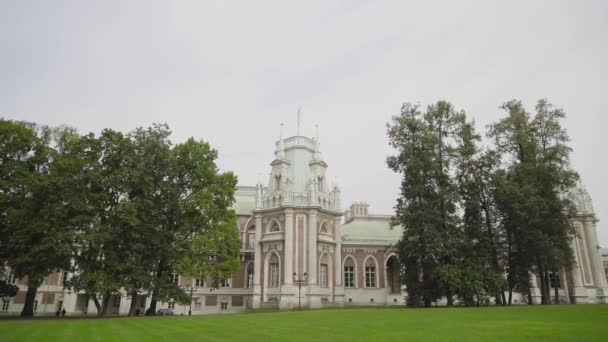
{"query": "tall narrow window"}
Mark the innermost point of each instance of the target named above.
(349, 276)
(175, 278)
(171, 305)
(274, 274)
(36, 305)
(226, 283)
(10, 278)
(275, 228)
(251, 244)
(323, 275)
(198, 282)
(5, 303)
(64, 278)
(370, 276)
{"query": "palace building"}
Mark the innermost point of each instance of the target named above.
(299, 248)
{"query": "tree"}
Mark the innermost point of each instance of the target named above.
(476, 271)
(426, 144)
(182, 203)
(536, 217)
(106, 254)
(33, 238)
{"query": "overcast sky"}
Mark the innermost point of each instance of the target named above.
(231, 72)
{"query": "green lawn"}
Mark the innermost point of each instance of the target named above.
(554, 323)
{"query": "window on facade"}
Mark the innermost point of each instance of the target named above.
(36, 305)
(274, 274)
(323, 275)
(224, 305)
(320, 184)
(198, 282)
(251, 244)
(175, 278)
(10, 278)
(554, 280)
(278, 182)
(64, 278)
(226, 283)
(370, 276)
(171, 305)
(349, 276)
(324, 228)
(275, 228)
(5, 304)
(59, 305)
(117, 301)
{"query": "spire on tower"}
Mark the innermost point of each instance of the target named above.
(317, 152)
(281, 151)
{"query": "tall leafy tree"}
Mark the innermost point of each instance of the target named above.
(182, 202)
(34, 241)
(537, 219)
(426, 208)
(101, 171)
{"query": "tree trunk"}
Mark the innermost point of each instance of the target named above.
(556, 288)
(133, 306)
(547, 287)
(106, 303)
(159, 274)
(30, 298)
(530, 302)
(543, 284)
(449, 297)
(504, 299)
(97, 306)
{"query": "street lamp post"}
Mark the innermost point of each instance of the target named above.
(300, 282)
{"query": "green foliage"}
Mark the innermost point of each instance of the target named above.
(470, 214)
(33, 240)
(7, 290)
(121, 211)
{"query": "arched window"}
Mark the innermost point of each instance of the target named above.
(278, 182)
(275, 227)
(324, 271)
(274, 271)
(392, 274)
(349, 272)
(324, 228)
(370, 273)
(251, 238)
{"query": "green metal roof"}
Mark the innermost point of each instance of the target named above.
(244, 200)
(373, 232)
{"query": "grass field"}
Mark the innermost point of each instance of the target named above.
(554, 323)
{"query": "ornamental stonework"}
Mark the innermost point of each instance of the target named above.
(278, 247)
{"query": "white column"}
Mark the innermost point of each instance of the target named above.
(312, 246)
(257, 262)
(576, 270)
(599, 278)
(288, 251)
(338, 261)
